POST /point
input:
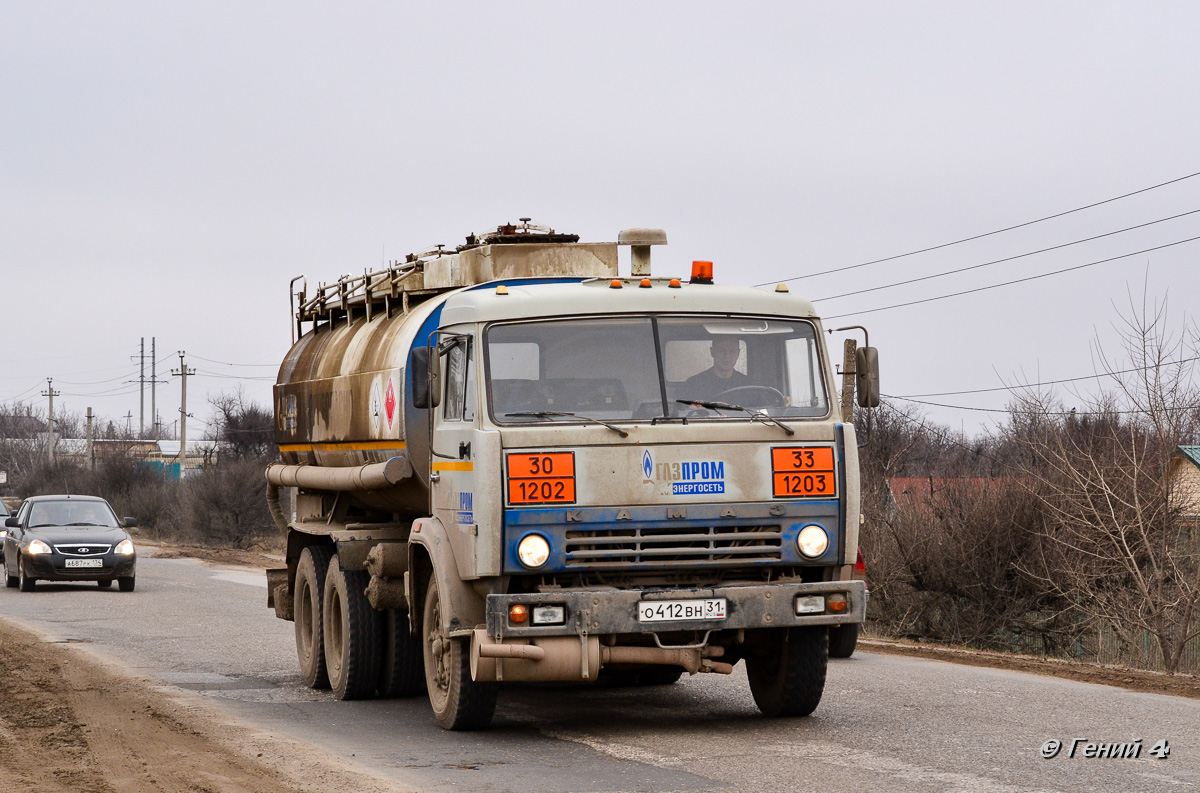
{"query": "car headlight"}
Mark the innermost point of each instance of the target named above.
(38, 547)
(3, 533)
(125, 547)
(812, 541)
(533, 550)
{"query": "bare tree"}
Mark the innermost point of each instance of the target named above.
(1113, 540)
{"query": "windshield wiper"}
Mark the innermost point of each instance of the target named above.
(546, 414)
(755, 415)
(85, 524)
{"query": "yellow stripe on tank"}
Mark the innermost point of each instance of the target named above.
(347, 446)
(466, 466)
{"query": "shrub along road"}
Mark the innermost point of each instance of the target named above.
(190, 684)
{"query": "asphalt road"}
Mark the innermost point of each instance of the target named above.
(885, 723)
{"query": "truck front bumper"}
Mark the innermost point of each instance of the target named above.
(610, 611)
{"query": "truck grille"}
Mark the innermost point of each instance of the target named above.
(674, 546)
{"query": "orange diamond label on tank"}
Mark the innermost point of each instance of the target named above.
(389, 403)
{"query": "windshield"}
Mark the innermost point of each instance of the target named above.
(641, 368)
(72, 513)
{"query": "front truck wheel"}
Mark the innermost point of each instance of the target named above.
(403, 670)
(842, 640)
(459, 703)
(307, 597)
(352, 634)
(787, 677)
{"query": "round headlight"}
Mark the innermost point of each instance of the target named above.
(125, 547)
(533, 550)
(37, 546)
(812, 541)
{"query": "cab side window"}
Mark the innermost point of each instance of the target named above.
(460, 383)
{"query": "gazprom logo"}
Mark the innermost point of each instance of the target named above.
(647, 464)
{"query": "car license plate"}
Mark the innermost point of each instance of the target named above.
(672, 610)
(85, 563)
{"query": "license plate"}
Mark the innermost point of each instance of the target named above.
(672, 610)
(85, 563)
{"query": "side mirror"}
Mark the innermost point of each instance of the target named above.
(11, 522)
(129, 522)
(425, 372)
(866, 367)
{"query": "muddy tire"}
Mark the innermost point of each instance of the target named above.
(788, 677)
(126, 584)
(352, 630)
(459, 703)
(307, 598)
(842, 640)
(402, 673)
(24, 583)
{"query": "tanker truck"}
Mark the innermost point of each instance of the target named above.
(512, 464)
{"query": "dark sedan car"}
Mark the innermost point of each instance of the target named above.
(68, 538)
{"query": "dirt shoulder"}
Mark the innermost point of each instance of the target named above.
(1120, 677)
(73, 723)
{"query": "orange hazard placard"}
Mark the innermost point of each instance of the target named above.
(547, 478)
(816, 458)
(801, 472)
(821, 483)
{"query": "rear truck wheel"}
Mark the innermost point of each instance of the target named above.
(126, 584)
(23, 581)
(787, 677)
(402, 673)
(104, 583)
(459, 703)
(842, 640)
(307, 597)
(352, 631)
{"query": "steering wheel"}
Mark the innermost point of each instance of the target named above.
(769, 397)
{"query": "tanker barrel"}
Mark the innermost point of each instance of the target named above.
(374, 476)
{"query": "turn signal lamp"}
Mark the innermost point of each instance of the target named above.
(702, 273)
(518, 613)
(836, 603)
(614, 283)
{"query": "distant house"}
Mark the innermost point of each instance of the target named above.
(1184, 473)
(160, 455)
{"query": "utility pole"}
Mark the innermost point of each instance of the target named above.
(91, 449)
(183, 373)
(849, 370)
(50, 392)
(153, 387)
(142, 391)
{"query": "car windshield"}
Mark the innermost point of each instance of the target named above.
(72, 513)
(642, 368)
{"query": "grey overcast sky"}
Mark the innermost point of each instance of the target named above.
(167, 168)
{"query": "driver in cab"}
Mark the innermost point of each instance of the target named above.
(721, 376)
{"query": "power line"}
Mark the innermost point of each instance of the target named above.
(1053, 382)
(1006, 259)
(1010, 283)
(1044, 412)
(271, 365)
(987, 234)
